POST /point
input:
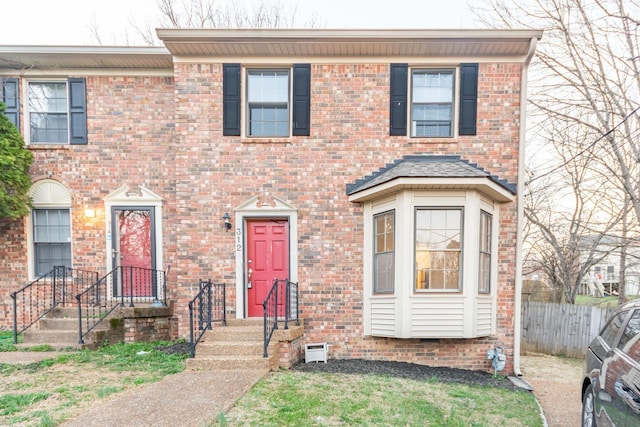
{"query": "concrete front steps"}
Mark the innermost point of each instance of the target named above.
(239, 345)
(59, 329)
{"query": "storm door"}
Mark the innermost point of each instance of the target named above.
(133, 250)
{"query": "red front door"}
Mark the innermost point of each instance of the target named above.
(267, 259)
(133, 250)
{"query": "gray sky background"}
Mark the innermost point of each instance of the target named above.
(67, 22)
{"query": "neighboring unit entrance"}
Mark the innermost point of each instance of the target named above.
(267, 259)
(133, 244)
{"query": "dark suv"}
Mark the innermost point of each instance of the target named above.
(611, 385)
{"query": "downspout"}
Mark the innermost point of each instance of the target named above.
(520, 209)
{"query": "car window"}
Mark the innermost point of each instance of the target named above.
(610, 331)
(629, 339)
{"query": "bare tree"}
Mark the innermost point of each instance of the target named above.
(222, 14)
(586, 77)
(567, 217)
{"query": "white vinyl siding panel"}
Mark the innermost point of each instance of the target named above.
(437, 317)
(383, 322)
(483, 317)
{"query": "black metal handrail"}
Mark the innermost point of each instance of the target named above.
(288, 291)
(123, 284)
(35, 300)
(207, 307)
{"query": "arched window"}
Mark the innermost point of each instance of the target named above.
(50, 226)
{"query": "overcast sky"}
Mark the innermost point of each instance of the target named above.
(68, 22)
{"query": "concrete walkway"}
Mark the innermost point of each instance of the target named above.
(185, 399)
(189, 398)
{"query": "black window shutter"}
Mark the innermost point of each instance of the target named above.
(10, 96)
(398, 105)
(77, 111)
(468, 99)
(301, 99)
(231, 99)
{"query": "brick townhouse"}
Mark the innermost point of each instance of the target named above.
(380, 170)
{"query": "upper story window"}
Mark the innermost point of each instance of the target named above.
(383, 252)
(484, 278)
(268, 103)
(438, 249)
(48, 112)
(432, 103)
(55, 110)
(433, 111)
(277, 102)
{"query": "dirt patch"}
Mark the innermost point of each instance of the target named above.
(556, 382)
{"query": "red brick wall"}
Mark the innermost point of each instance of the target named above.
(130, 122)
(349, 139)
(13, 274)
(146, 131)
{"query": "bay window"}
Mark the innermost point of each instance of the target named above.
(438, 249)
(383, 252)
(484, 277)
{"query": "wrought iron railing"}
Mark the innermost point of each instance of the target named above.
(281, 303)
(39, 297)
(122, 285)
(207, 307)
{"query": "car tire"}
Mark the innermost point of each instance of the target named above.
(588, 413)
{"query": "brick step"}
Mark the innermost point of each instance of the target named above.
(234, 333)
(253, 321)
(68, 312)
(66, 324)
(229, 348)
(216, 363)
(50, 337)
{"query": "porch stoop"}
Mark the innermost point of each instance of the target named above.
(239, 345)
(59, 329)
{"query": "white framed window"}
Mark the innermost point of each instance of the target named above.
(384, 252)
(484, 276)
(51, 239)
(56, 111)
(268, 106)
(48, 112)
(49, 225)
(438, 249)
(443, 284)
(432, 106)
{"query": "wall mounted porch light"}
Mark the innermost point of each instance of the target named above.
(89, 213)
(227, 221)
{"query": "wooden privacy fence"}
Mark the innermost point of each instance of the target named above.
(560, 329)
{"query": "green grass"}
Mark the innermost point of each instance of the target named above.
(284, 398)
(81, 379)
(291, 398)
(12, 403)
(602, 302)
(6, 341)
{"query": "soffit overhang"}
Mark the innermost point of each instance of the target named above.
(514, 44)
(30, 58)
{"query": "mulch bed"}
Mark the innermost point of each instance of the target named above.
(409, 371)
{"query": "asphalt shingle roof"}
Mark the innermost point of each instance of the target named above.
(427, 166)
